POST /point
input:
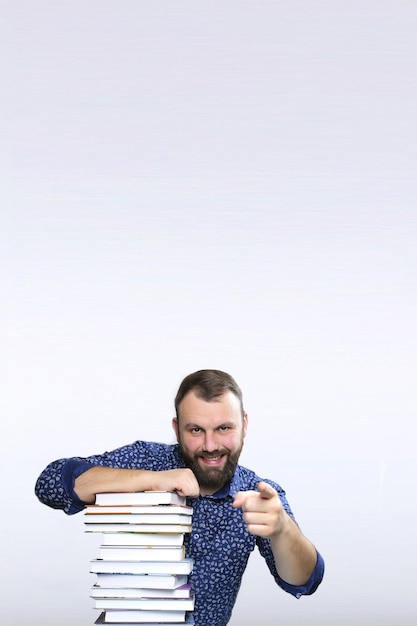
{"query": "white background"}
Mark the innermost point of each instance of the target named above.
(213, 184)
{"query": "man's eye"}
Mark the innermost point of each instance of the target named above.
(224, 428)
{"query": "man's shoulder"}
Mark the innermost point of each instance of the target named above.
(247, 477)
(164, 450)
(149, 455)
(157, 446)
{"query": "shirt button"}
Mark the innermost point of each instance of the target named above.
(196, 535)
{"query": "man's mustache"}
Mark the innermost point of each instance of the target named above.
(211, 455)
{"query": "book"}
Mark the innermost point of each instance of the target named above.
(145, 528)
(184, 591)
(189, 621)
(141, 497)
(144, 581)
(139, 617)
(142, 539)
(93, 509)
(141, 553)
(138, 518)
(145, 604)
(142, 567)
(142, 572)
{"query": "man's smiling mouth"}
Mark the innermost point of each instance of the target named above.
(212, 459)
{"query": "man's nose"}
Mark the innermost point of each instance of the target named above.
(210, 443)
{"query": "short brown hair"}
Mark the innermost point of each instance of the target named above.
(208, 385)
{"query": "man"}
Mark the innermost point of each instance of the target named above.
(234, 509)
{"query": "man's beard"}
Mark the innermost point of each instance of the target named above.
(212, 478)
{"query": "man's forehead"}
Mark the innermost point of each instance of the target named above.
(195, 397)
(225, 406)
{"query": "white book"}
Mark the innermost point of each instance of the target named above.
(141, 553)
(93, 509)
(184, 591)
(138, 518)
(145, 528)
(138, 617)
(142, 539)
(141, 497)
(187, 620)
(142, 567)
(144, 581)
(145, 604)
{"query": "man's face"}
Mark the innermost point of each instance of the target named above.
(210, 436)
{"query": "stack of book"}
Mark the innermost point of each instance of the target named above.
(142, 572)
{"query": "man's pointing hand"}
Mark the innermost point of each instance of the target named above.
(262, 510)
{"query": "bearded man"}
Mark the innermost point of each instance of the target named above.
(234, 510)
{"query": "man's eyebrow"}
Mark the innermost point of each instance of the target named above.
(220, 425)
(192, 424)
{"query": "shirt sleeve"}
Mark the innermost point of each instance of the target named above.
(312, 583)
(55, 485)
(295, 590)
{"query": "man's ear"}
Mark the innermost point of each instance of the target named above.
(245, 423)
(175, 426)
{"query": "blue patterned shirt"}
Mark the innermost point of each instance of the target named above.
(219, 543)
